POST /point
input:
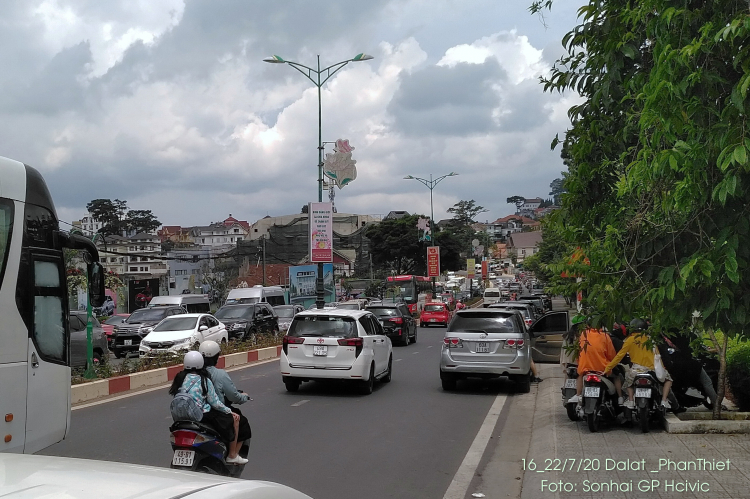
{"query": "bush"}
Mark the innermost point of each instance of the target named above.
(738, 373)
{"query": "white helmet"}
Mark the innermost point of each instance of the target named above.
(209, 348)
(193, 360)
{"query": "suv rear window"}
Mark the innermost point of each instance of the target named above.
(323, 325)
(492, 294)
(383, 311)
(434, 308)
(489, 322)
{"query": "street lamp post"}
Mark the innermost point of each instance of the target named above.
(430, 184)
(318, 77)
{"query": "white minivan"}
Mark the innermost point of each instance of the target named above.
(273, 295)
(491, 295)
(193, 304)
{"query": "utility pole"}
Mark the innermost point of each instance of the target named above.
(264, 259)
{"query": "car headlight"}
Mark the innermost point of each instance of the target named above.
(181, 342)
(145, 330)
(239, 325)
(115, 329)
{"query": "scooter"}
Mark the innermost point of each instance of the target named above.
(198, 447)
(568, 390)
(648, 406)
(599, 399)
(687, 389)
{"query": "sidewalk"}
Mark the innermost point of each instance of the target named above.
(613, 463)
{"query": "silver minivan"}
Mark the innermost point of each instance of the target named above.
(486, 343)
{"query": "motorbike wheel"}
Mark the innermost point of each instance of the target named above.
(572, 413)
(643, 417)
(593, 422)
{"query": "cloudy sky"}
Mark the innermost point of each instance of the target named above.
(168, 105)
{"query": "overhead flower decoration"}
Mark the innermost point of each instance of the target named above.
(340, 166)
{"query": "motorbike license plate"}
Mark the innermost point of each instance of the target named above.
(570, 383)
(643, 392)
(183, 457)
(483, 347)
(591, 391)
(320, 350)
(127, 342)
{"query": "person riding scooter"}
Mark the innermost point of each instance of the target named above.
(195, 381)
(596, 350)
(225, 388)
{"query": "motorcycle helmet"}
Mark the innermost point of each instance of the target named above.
(578, 319)
(637, 325)
(210, 351)
(193, 360)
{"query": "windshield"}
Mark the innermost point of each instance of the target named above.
(323, 325)
(234, 313)
(284, 312)
(489, 322)
(383, 312)
(237, 301)
(433, 308)
(177, 323)
(147, 314)
(6, 227)
(115, 319)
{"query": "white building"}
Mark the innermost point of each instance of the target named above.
(226, 233)
(143, 260)
(88, 225)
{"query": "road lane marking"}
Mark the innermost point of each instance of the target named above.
(429, 346)
(414, 353)
(297, 404)
(397, 360)
(460, 484)
(161, 387)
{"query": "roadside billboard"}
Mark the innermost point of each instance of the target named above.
(433, 261)
(302, 284)
(321, 232)
(470, 269)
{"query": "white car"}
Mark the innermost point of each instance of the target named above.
(178, 333)
(336, 344)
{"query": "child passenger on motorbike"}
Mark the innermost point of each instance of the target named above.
(196, 382)
(642, 358)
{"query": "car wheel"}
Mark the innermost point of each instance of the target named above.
(387, 376)
(405, 339)
(291, 384)
(97, 358)
(449, 384)
(118, 354)
(366, 387)
(523, 383)
(414, 340)
(421, 324)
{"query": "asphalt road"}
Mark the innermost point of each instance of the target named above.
(406, 440)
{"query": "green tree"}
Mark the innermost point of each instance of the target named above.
(110, 213)
(395, 246)
(516, 200)
(658, 163)
(464, 212)
(141, 221)
(557, 189)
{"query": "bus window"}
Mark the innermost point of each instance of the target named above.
(49, 326)
(6, 228)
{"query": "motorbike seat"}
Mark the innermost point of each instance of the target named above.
(195, 426)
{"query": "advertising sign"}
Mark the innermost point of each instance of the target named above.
(321, 232)
(433, 261)
(470, 270)
(140, 293)
(302, 284)
(485, 270)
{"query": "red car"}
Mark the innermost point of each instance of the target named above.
(435, 313)
(109, 325)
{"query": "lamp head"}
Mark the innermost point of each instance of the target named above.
(408, 177)
(275, 59)
(453, 174)
(361, 57)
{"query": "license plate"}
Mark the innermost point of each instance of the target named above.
(127, 342)
(643, 392)
(183, 457)
(483, 347)
(320, 350)
(591, 391)
(433, 320)
(570, 383)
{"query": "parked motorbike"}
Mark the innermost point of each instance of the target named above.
(568, 390)
(198, 447)
(599, 399)
(647, 400)
(687, 389)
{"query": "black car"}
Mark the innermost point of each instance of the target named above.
(245, 320)
(397, 321)
(126, 337)
(79, 339)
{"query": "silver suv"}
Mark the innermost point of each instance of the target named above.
(486, 343)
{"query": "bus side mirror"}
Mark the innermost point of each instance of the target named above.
(96, 284)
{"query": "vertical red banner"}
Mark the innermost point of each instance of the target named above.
(433, 261)
(485, 270)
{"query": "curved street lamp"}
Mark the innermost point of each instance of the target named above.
(318, 77)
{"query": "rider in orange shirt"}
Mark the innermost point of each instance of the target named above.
(596, 351)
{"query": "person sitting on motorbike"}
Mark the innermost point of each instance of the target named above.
(642, 358)
(196, 382)
(225, 388)
(677, 356)
(596, 350)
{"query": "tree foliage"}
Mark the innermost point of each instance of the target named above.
(464, 212)
(117, 218)
(516, 200)
(657, 183)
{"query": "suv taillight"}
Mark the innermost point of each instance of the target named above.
(396, 320)
(358, 343)
(294, 340)
(453, 342)
(514, 343)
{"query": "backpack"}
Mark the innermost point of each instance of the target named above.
(184, 407)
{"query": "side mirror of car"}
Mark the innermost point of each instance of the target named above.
(203, 328)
